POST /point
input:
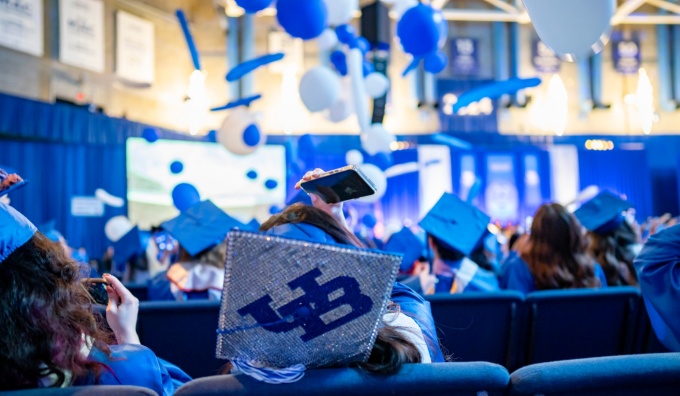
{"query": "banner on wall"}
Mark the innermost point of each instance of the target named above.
(480, 117)
(135, 48)
(81, 34)
(544, 59)
(626, 56)
(501, 196)
(464, 56)
(21, 25)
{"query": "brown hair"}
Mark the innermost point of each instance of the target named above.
(215, 256)
(45, 313)
(556, 251)
(612, 251)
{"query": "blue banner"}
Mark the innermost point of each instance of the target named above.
(502, 196)
(544, 59)
(479, 117)
(626, 56)
(464, 56)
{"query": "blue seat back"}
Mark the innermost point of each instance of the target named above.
(479, 326)
(183, 333)
(652, 374)
(450, 379)
(108, 390)
(573, 324)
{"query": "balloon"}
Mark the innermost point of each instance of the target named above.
(252, 175)
(363, 44)
(274, 210)
(195, 59)
(184, 196)
(377, 177)
(240, 133)
(109, 199)
(341, 11)
(401, 6)
(150, 134)
(327, 40)
(355, 66)
(302, 19)
(418, 30)
(176, 167)
(238, 103)
(117, 227)
(367, 68)
(319, 88)
(495, 90)
(340, 111)
(346, 33)
(240, 70)
(354, 157)
(377, 85)
(271, 184)
(253, 6)
(377, 140)
(339, 61)
(573, 29)
(369, 220)
(436, 62)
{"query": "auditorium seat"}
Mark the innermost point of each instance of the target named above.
(647, 341)
(139, 290)
(451, 379)
(183, 333)
(653, 374)
(117, 390)
(574, 324)
(479, 326)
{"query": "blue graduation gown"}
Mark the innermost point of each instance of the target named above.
(469, 277)
(415, 306)
(516, 275)
(159, 290)
(136, 365)
(658, 268)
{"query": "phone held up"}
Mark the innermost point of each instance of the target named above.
(340, 185)
(96, 288)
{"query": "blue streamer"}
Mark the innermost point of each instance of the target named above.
(190, 40)
(412, 66)
(240, 70)
(238, 103)
(495, 90)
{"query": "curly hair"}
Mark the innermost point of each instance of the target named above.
(45, 316)
(556, 251)
(612, 251)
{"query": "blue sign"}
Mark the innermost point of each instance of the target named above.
(626, 56)
(464, 56)
(501, 196)
(544, 59)
(477, 117)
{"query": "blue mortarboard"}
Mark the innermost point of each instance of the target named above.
(49, 229)
(457, 224)
(131, 244)
(10, 182)
(301, 197)
(201, 227)
(602, 214)
(15, 230)
(407, 243)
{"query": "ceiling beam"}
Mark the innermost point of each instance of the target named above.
(626, 9)
(665, 5)
(503, 6)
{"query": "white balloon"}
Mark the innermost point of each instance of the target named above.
(233, 130)
(319, 88)
(117, 227)
(340, 110)
(354, 157)
(341, 12)
(327, 41)
(355, 66)
(574, 29)
(377, 85)
(109, 199)
(377, 140)
(375, 175)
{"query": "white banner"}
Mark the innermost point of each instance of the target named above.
(435, 175)
(87, 207)
(135, 48)
(81, 34)
(21, 25)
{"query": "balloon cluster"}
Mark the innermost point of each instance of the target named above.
(423, 31)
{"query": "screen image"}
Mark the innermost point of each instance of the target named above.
(244, 186)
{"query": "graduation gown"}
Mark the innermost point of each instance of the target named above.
(658, 268)
(463, 276)
(187, 281)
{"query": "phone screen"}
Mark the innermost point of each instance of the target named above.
(338, 187)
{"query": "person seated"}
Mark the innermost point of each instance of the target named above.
(134, 256)
(415, 269)
(554, 256)
(199, 273)
(54, 339)
(455, 229)
(612, 240)
(658, 268)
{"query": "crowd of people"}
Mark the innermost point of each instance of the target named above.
(54, 338)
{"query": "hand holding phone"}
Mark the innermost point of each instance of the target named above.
(338, 185)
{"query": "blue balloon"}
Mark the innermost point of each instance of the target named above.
(369, 220)
(176, 167)
(253, 6)
(443, 30)
(195, 59)
(184, 196)
(252, 135)
(271, 184)
(212, 136)
(363, 44)
(346, 34)
(246, 67)
(150, 134)
(339, 61)
(436, 62)
(274, 210)
(252, 175)
(419, 30)
(302, 19)
(368, 68)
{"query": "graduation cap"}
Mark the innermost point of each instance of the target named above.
(301, 197)
(602, 214)
(130, 245)
(10, 182)
(201, 227)
(407, 243)
(49, 229)
(315, 305)
(15, 231)
(457, 224)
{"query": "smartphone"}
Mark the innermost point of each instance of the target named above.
(340, 185)
(96, 288)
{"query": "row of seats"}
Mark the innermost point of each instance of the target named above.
(654, 374)
(504, 328)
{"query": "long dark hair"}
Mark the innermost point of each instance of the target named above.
(612, 251)
(556, 251)
(44, 315)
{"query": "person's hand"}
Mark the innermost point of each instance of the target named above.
(335, 210)
(121, 313)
